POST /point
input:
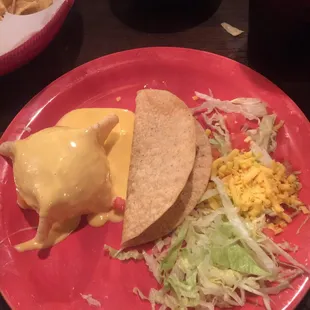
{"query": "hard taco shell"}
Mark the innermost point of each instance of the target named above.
(163, 155)
(188, 198)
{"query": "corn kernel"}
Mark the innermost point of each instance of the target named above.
(230, 165)
(195, 98)
(260, 178)
(295, 201)
(278, 230)
(304, 210)
(291, 179)
(283, 197)
(267, 202)
(267, 186)
(233, 191)
(213, 203)
(282, 224)
(236, 164)
(232, 154)
(273, 165)
(248, 154)
(251, 174)
(221, 174)
(286, 217)
(247, 139)
(215, 165)
(255, 212)
(222, 169)
(278, 126)
(284, 187)
(226, 178)
(277, 208)
(266, 170)
(246, 163)
(208, 132)
(271, 226)
(280, 171)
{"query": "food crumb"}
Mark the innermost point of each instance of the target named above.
(304, 210)
(231, 30)
(28, 129)
(208, 132)
(302, 224)
(278, 126)
(90, 300)
(248, 139)
(195, 98)
(118, 99)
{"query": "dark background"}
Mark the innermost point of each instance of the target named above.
(278, 44)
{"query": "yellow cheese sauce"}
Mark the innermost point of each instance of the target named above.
(99, 166)
(97, 220)
(58, 232)
(117, 145)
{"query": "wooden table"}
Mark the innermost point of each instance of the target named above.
(92, 30)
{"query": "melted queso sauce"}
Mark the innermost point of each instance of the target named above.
(117, 147)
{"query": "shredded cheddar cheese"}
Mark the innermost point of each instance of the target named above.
(256, 189)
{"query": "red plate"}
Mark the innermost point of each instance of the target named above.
(55, 278)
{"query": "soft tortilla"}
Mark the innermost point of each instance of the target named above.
(189, 197)
(163, 155)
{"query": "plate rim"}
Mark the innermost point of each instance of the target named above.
(160, 49)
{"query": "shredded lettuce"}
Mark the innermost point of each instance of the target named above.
(236, 221)
(159, 244)
(215, 258)
(121, 255)
(302, 225)
(155, 297)
(279, 251)
(237, 258)
(261, 154)
(153, 265)
(221, 137)
(169, 260)
(208, 194)
(265, 135)
(90, 300)
(251, 108)
(288, 247)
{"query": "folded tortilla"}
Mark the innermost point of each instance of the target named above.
(182, 151)
(162, 158)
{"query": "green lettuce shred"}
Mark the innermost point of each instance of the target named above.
(213, 259)
(121, 255)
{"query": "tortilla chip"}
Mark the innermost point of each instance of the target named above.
(2, 9)
(23, 7)
(6, 3)
(26, 7)
(163, 155)
(43, 4)
(189, 197)
(231, 30)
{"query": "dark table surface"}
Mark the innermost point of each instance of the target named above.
(97, 27)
